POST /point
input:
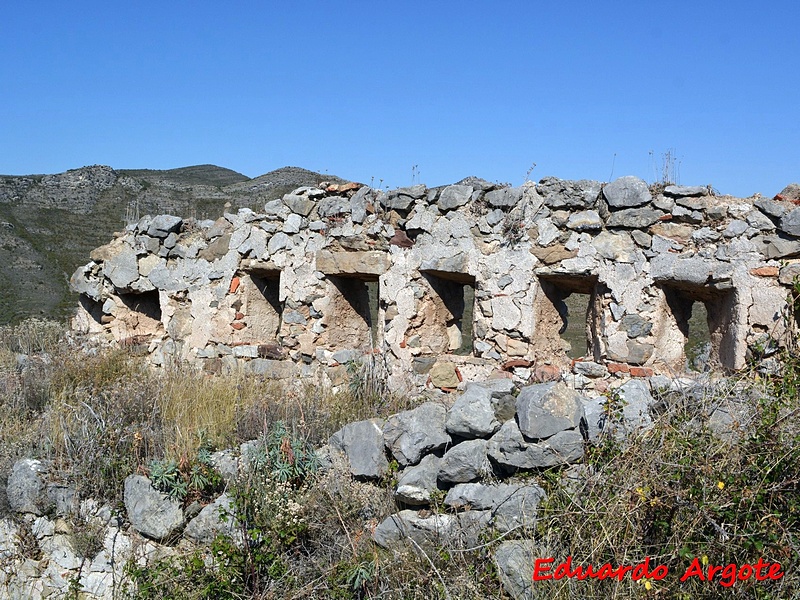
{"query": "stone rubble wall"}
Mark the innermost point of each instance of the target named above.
(476, 455)
(461, 451)
(451, 284)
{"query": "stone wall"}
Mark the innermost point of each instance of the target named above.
(452, 283)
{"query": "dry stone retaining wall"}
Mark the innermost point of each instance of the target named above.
(454, 283)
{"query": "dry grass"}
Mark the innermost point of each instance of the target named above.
(193, 407)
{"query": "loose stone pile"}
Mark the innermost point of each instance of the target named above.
(451, 284)
(462, 450)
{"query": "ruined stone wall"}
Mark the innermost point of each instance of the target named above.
(453, 283)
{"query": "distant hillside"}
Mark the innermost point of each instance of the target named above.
(50, 223)
(197, 175)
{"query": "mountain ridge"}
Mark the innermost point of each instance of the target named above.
(49, 223)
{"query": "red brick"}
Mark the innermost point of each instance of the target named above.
(617, 368)
(234, 285)
(238, 325)
(765, 271)
(517, 362)
(641, 372)
(545, 373)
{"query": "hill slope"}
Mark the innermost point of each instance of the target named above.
(50, 223)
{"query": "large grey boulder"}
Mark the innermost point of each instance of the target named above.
(670, 267)
(560, 193)
(790, 222)
(27, 487)
(791, 192)
(472, 415)
(775, 246)
(515, 561)
(64, 497)
(499, 387)
(403, 198)
(635, 326)
(162, 225)
(685, 190)
(151, 512)
(627, 192)
(585, 220)
(510, 451)
(432, 530)
(628, 411)
(596, 417)
(122, 268)
(362, 443)
(215, 519)
(333, 205)
(411, 434)
(359, 202)
(618, 247)
(634, 218)
(637, 402)
(299, 204)
(511, 505)
(773, 208)
(464, 462)
(504, 197)
(548, 408)
(454, 196)
(84, 282)
(415, 484)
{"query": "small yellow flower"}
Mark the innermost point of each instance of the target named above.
(721, 485)
(704, 560)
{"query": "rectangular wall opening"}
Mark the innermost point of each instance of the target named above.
(450, 323)
(353, 322)
(704, 317)
(261, 307)
(136, 316)
(145, 303)
(566, 318)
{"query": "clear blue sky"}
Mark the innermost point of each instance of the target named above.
(369, 89)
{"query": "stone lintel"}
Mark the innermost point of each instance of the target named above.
(581, 282)
(260, 268)
(361, 265)
(450, 276)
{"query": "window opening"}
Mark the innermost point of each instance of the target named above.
(145, 303)
(456, 294)
(566, 318)
(354, 318)
(704, 316)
